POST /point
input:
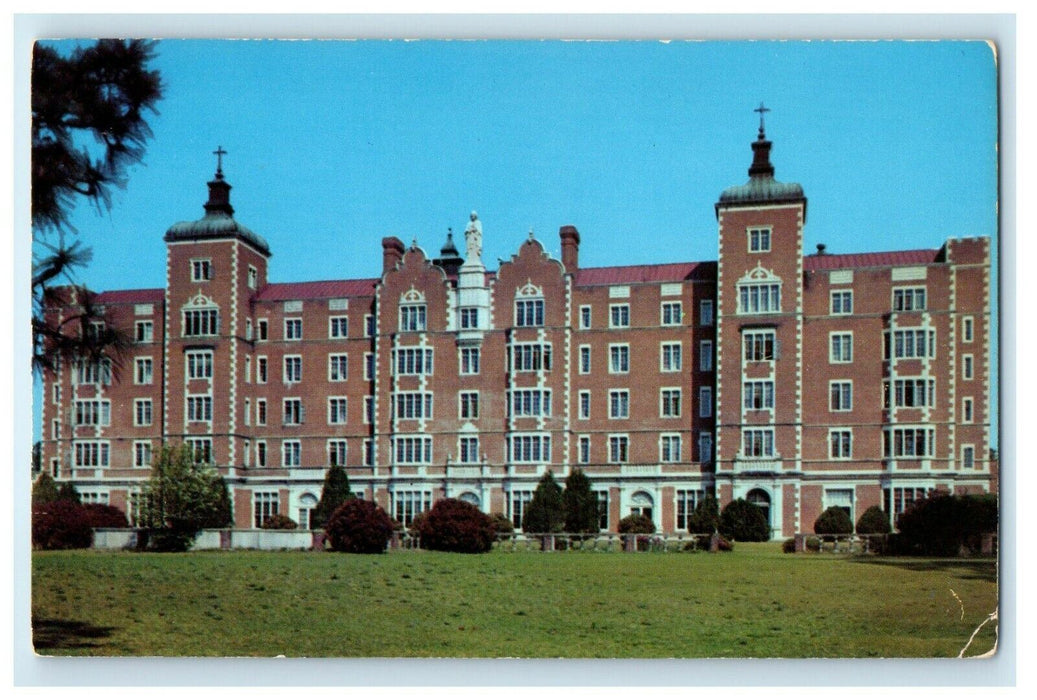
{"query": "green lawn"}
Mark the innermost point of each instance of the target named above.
(753, 602)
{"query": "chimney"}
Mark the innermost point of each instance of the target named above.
(821, 248)
(392, 253)
(570, 247)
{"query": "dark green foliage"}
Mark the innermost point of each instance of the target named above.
(945, 525)
(279, 521)
(61, 524)
(501, 524)
(67, 492)
(222, 513)
(359, 527)
(334, 493)
(636, 524)
(44, 490)
(415, 524)
(743, 522)
(455, 526)
(833, 521)
(873, 521)
(546, 510)
(789, 545)
(102, 515)
(581, 504)
(813, 544)
(705, 519)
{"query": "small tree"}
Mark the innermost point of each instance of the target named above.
(67, 492)
(60, 524)
(833, 521)
(222, 514)
(279, 521)
(744, 522)
(44, 490)
(333, 494)
(705, 519)
(359, 527)
(874, 521)
(581, 504)
(455, 526)
(546, 510)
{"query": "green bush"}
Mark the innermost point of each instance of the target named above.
(333, 493)
(581, 504)
(743, 522)
(546, 511)
(456, 526)
(62, 524)
(813, 544)
(705, 519)
(945, 525)
(833, 521)
(636, 524)
(789, 546)
(44, 489)
(279, 521)
(359, 527)
(501, 524)
(873, 521)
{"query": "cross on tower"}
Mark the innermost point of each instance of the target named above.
(762, 110)
(219, 153)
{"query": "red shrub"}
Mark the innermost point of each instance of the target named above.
(61, 525)
(359, 527)
(455, 526)
(101, 515)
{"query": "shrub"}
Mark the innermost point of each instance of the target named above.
(833, 521)
(61, 524)
(359, 527)
(415, 524)
(813, 544)
(705, 519)
(742, 521)
(67, 492)
(279, 521)
(945, 525)
(44, 490)
(334, 493)
(581, 504)
(874, 521)
(455, 526)
(636, 524)
(501, 524)
(546, 510)
(101, 515)
(789, 546)
(724, 544)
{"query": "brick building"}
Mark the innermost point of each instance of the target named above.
(796, 381)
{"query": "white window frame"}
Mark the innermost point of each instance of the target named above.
(908, 299)
(758, 394)
(338, 327)
(469, 359)
(262, 369)
(843, 449)
(583, 449)
(585, 359)
(142, 454)
(706, 315)
(143, 371)
(369, 366)
(619, 399)
(201, 269)
(292, 411)
(295, 362)
(705, 402)
(669, 397)
(338, 410)
(529, 313)
(758, 239)
(146, 406)
(705, 445)
(144, 332)
(756, 340)
(968, 366)
(199, 364)
(368, 410)
(765, 443)
(844, 340)
(261, 414)
(585, 317)
(619, 358)
(619, 448)
(840, 302)
(844, 389)
(667, 443)
(968, 326)
(468, 449)
(253, 277)
(619, 315)
(705, 355)
(200, 323)
(338, 367)
(261, 454)
(292, 327)
(291, 453)
(468, 405)
(583, 409)
(671, 313)
(968, 410)
(671, 356)
(337, 451)
(969, 448)
(263, 329)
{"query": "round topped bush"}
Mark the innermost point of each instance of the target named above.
(874, 521)
(359, 527)
(279, 521)
(456, 526)
(834, 521)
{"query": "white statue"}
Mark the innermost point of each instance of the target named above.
(473, 239)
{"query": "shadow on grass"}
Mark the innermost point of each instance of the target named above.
(50, 635)
(969, 569)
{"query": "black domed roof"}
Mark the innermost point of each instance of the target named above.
(218, 222)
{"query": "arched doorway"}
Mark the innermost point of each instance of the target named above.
(641, 503)
(307, 502)
(762, 500)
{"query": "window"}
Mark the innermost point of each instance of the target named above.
(840, 443)
(909, 299)
(908, 442)
(469, 318)
(841, 499)
(468, 408)
(143, 370)
(368, 366)
(337, 453)
(292, 368)
(55, 393)
(910, 343)
(670, 357)
(201, 448)
(517, 506)
(292, 412)
(759, 298)
(706, 312)
(291, 453)
(842, 302)
(758, 395)
(248, 414)
(369, 452)
(705, 401)
(705, 447)
(253, 277)
(530, 357)
(529, 403)
(55, 429)
(413, 361)
(199, 364)
(368, 410)
(260, 411)
(264, 507)
(619, 316)
(758, 346)
(144, 331)
(619, 359)
(687, 501)
(758, 442)
(338, 327)
(968, 457)
(408, 504)
(142, 453)
(248, 369)
(840, 347)
(96, 372)
(369, 326)
(263, 327)
(142, 412)
(966, 410)
(966, 329)
(338, 368)
(199, 322)
(91, 453)
(585, 317)
(468, 450)
(469, 360)
(840, 396)
(201, 270)
(603, 509)
(705, 355)
(413, 405)
(671, 313)
(584, 446)
(199, 408)
(93, 412)
(260, 370)
(669, 403)
(759, 240)
(248, 329)
(897, 500)
(585, 405)
(529, 312)
(260, 453)
(619, 403)
(94, 330)
(529, 448)
(585, 359)
(293, 329)
(966, 366)
(337, 410)
(915, 392)
(619, 449)
(670, 448)
(413, 450)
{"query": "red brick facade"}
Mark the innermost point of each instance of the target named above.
(798, 382)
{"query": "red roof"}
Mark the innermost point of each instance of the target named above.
(893, 258)
(632, 274)
(131, 296)
(328, 289)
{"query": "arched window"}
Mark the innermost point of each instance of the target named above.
(761, 499)
(759, 292)
(641, 503)
(469, 497)
(307, 502)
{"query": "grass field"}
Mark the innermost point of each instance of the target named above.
(753, 602)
